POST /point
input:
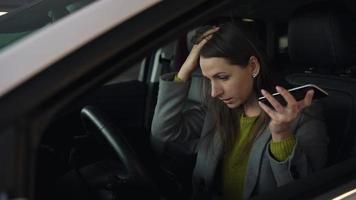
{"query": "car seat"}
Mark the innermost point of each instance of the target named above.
(322, 45)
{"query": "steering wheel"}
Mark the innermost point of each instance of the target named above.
(97, 122)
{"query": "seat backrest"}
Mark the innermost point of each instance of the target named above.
(322, 41)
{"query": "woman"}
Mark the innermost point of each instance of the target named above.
(243, 147)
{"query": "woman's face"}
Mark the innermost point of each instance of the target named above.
(232, 84)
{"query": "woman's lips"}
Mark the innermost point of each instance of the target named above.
(227, 100)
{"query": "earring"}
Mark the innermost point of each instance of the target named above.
(254, 75)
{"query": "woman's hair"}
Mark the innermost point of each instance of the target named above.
(236, 41)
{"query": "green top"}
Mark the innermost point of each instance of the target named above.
(234, 170)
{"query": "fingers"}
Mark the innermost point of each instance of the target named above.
(276, 105)
(292, 104)
(267, 109)
(207, 36)
(283, 117)
(210, 32)
(204, 40)
(307, 99)
(288, 97)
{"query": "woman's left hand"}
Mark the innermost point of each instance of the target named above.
(282, 117)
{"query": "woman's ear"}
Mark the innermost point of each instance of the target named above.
(254, 65)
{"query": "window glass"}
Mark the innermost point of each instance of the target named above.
(25, 20)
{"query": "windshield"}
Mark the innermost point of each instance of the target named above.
(27, 19)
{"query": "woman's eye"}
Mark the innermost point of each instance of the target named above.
(224, 78)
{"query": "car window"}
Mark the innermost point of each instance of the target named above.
(27, 19)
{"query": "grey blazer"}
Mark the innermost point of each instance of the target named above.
(189, 128)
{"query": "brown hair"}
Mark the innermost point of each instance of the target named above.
(236, 42)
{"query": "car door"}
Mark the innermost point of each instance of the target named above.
(52, 67)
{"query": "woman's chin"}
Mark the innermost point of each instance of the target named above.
(232, 105)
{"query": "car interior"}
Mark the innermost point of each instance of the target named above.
(99, 146)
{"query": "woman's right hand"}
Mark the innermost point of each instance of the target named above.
(193, 58)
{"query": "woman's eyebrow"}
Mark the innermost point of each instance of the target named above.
(215, 75)
(219, 74)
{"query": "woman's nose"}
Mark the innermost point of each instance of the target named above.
(215, 91)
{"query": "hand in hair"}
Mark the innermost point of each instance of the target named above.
(193, 58)
(282, 117)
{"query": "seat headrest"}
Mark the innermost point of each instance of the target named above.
(322, 39)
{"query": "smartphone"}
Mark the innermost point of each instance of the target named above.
(298, 93)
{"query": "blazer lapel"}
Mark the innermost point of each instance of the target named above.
(254, 162)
